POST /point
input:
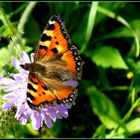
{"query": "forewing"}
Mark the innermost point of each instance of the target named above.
(54, 40)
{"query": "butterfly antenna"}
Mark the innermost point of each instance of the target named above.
(14, 44)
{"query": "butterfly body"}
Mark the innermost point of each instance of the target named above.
(56, 68)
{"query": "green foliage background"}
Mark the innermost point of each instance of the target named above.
(108, 37)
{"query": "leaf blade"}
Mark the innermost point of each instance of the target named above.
(108, 57)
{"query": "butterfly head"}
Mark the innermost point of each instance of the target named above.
(26, 66)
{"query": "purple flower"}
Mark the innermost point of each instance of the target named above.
(17, 87)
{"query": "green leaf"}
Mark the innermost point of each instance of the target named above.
(133, 126)
(31, 130)
(90, 24)
(108, 57)
(5, 64)
(104, 108)
(114, 134)
(100, 132)
(3, 52)
(125, 32)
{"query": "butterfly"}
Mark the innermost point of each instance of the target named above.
(57, 67)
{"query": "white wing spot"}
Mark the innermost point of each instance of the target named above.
(29, 100)
(51, 22)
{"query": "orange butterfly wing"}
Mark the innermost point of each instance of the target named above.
(54, 39)
(54, 45)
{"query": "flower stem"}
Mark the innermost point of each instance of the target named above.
(25, 16)
(124, 22)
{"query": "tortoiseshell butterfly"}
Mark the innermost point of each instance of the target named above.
(56, 68)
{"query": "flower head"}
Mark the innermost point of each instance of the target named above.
(16, 86)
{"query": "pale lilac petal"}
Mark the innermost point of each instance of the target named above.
(71, 83)
(16, 63)
(6, 81)
(36, 120)
(11, 88)
(9, 95)
(52, 113)
(64, 114)
(17, 77)
(58, 116)
(62, 111)
(47, 120)
(25, 58)
(8, 105)
(24, 73)
(20, 111)
(24, 118)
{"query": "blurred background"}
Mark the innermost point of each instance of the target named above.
(108, 37)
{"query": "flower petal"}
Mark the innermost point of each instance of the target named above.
(16, 63)
(47, 119)
(36, 120)
(62, 111)
(24, 118)
(6, 81)
(8, 105)
(58, 116)
(20, 112)
(52, 113)
(25, 58)
(17, 77)
(9, 95)
(11, 87)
